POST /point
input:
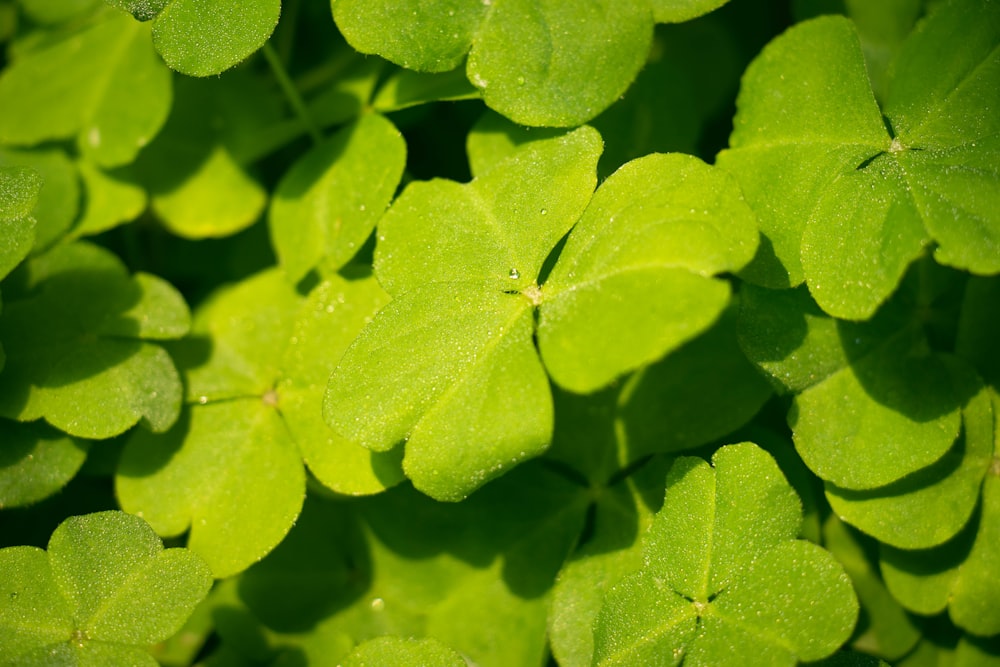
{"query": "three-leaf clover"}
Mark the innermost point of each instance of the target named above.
(450, 364)
(724, 574)
(104, 591)
(849, 194)
(81, 339)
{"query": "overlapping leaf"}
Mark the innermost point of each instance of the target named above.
(846, 202)
(723, 572)
(35, 462)
(103, 85)
(81, 345)
(451, 358)
(256, 368)
(547, 63)
(19, 188)
(103, 592)
(58, 200)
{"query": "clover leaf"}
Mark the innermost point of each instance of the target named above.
(571, 61)
(256, 368)
(327, 204)
(103, 592)
(81, 345)
(57, 204)
(861, 199)
(19, 188)
(103, 85)
(450, 366)
(206, 37)
(723, 572)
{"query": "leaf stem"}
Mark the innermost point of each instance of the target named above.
(291, 93)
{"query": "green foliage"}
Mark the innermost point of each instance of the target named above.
(408, 365)
(103, 591)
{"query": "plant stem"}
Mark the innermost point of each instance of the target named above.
(291, 93)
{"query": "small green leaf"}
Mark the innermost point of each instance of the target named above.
(441, 367)
(110, 200)
(59, 197)
(930, 506)
(207, 37)
(327, 204)
(79, 345)
(724, 573)
(35, 462)
(19, 188)
(897, 412)
(103, 85)
(406, 88)
(105, 589)
(400, 652)
(634, 280)
(499, 228)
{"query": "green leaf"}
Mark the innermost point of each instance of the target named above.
(634, 280)
(207, 37)
(326, 205)
(846, 204)
(900, 514)
(56, 11)
(675, 11)
(104, 85)
(554, 77)
(898, 412)
(105, 589)
(80, 350)
(19, 189)
(496, 230)
(400, 652)
(35, 462)
(406, 88)
(111, 199)
(58, 199)
(438, 368)
(723, 572)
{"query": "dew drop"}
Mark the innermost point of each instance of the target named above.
(520, 80)
(514, 274)
(378, 604)
(544, 211)
(203, 399)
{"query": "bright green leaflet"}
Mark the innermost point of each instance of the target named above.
(111, 199)
(207, 37)
(327, 204)
(58, 199)
(928, 507)
(195, 171)
(105, 589)
(860, 201)
(635, 279)
(105, 86)
(81, 345)
(723, 572)
(887, 631)
(19, 188)
(554, 77)
(35, 462)
(400, 652)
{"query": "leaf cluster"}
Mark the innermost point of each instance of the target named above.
(418, 332)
